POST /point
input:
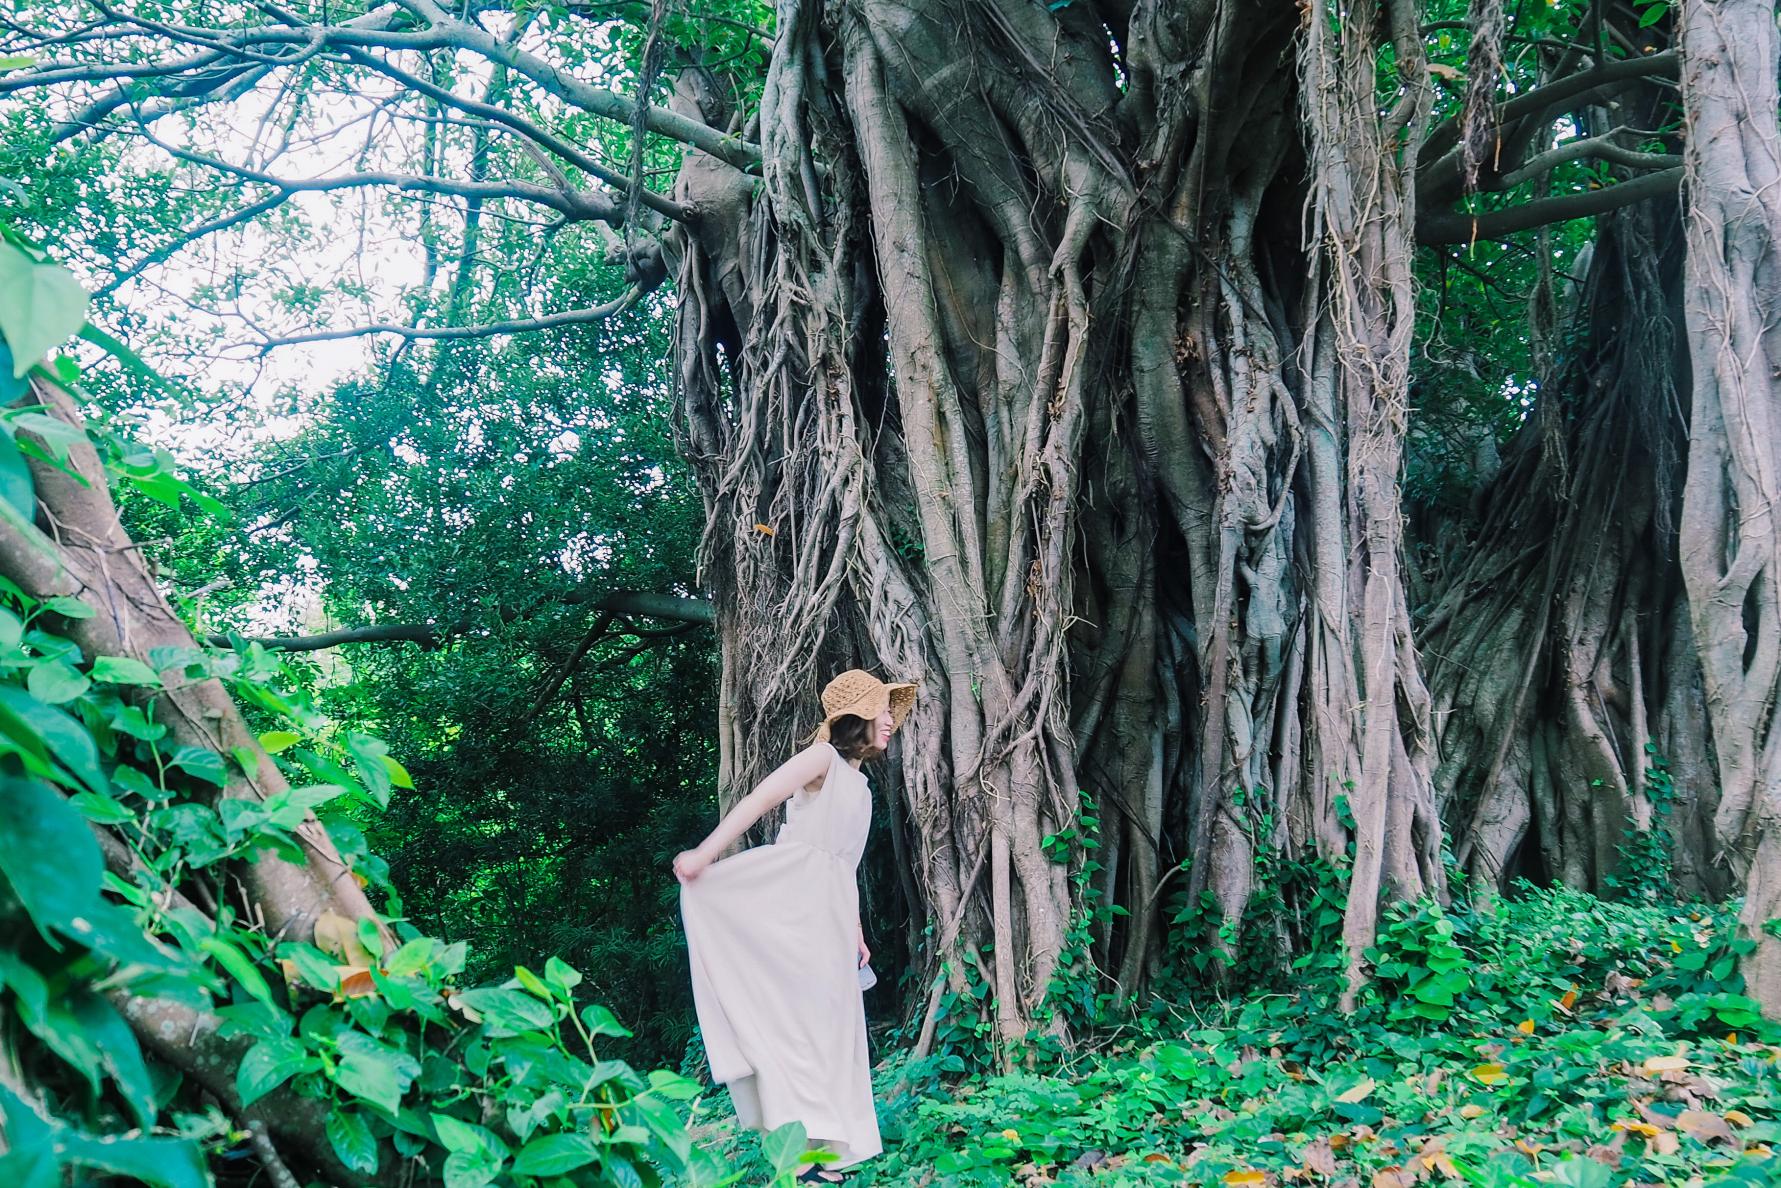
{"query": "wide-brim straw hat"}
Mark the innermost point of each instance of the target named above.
(863, 695)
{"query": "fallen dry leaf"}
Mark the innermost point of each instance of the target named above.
(339, 937)
(1704, 1126)
(1358, 1093)
(1657, 1065)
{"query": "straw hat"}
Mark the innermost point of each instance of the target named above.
(864, 696)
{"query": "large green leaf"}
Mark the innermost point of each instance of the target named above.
(60, 735)
(352, 1140)
(555, 1154)
(124, 670)
(472, 1169)
(30, 1160)
(48, 854)
(508, 1011)
(17, 486)
(53, 681)
(376, 1072)
(269, 1064)
(41, 306)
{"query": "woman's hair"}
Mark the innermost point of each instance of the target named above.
(854, 737)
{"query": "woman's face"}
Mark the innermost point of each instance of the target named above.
(882, 727)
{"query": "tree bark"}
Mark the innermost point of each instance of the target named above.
(1731, 535)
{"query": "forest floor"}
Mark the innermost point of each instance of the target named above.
(1560, 1040)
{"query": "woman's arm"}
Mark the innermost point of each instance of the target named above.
(806, 767)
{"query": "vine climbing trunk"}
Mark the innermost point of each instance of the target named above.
(1731, 504)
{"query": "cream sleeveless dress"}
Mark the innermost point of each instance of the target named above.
(770, 934)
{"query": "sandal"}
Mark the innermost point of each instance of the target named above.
(816, 1173)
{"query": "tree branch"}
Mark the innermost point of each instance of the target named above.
(568, 317)
(1451, 226)
(1445, 137)
(691, 611)
(1600, 147)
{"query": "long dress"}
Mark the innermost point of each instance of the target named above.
(771, 937)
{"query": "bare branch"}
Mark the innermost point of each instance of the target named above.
(570, 317)
(573, 204)
(1451, 226)
(1601, 148)
(643, 604)
(1563, 90)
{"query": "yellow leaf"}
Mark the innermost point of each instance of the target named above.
(1245, 1178)
(1664, 1064)
(1471, 1111)
(1739, 1118)
(1011, 1135)
(764, 529)
(1526, 1027)
(1490, 1074)
(1674, 947)
(1732, 1039)
(1444, 1165)
(339, 937)
(1636, 1126)
(1358, 1093)
(1570, 999)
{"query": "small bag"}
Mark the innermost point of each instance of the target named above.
(868, 979)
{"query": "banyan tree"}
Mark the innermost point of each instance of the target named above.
(1065, 358)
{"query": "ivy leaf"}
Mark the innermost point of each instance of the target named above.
(600, 1021)
(54, 681)
(238, 966)
(41, 305)
(313, 966)
(269, 1064)
(352, 1141)
(203, 763)
(509, 1011)
(17, 486)
(472, 1169)
(48, 854)
(28, 720)
(554, 1155)
(784, 1147)
(124, 670)
(100, 809)
(69, 607)
(374, 1071)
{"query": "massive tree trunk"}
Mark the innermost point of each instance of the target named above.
(1558, 643)
(1731, 532)
(1037, 391)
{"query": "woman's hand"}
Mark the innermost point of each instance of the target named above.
(865, 953)
(689, 865)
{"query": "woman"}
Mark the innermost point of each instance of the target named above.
(774, 935)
